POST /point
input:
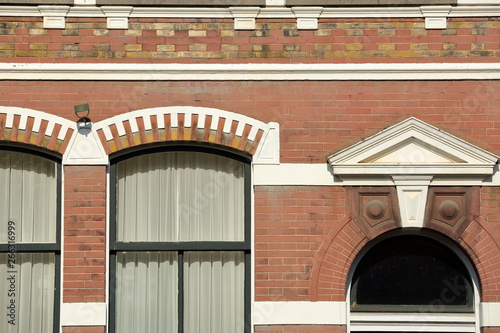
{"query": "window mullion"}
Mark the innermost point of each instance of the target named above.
(180, 299)
(180, 246)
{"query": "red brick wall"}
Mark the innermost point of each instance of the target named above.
(490, 329)
(490, 208)
(84, 234)
(316, 118)
(291, 222)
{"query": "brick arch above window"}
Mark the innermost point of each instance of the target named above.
(344, 243)
(191, 124)
(36, 128)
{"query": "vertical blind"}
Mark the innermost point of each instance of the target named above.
(28, 197)
(171, 197)
(180, 196)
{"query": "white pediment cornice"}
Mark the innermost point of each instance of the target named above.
(411, 148)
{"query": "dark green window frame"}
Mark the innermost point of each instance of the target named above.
(184, 246)
(44, 247)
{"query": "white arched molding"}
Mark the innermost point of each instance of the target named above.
(191, 124)
(36, 128)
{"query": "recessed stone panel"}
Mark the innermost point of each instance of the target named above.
(450, 209)
(374, 209)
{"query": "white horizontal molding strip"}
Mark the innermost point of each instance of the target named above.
(485, 8)
(296, 174)
(244, 72)
(299, 313)
(478, 2)
(83, 314)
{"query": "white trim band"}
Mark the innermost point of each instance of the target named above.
(299, 313)
(295, 174)
(245, 72)
(83, 314)
(334, 313)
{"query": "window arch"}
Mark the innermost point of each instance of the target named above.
(406, 279)
(30, 185)
(180, 239)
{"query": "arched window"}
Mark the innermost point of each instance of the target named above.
(29, 241)
(410, 280)
(180, 242)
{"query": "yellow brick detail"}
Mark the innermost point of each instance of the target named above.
(165, 33)
(386, 46)
(112, 146)
(132, 47)
(419, 46)
(197, 33)
(354, 47)
(124, 141)
(133, 33)
(37, 32)
(174, 133)
(136, 137)
(6, 46)
(166, 48)
(39, 46)
(197, 47)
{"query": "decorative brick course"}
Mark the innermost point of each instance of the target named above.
(35, 128)
(273, 40)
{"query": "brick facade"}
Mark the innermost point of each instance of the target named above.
(306, 236)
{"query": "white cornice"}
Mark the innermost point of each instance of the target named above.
(258, 72)
(276, 12)
(179, 12)
(485, 8)
(474, 11)
(478, 2)
(20, 11)
(371, 12)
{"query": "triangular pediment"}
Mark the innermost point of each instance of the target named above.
(412, 147)
(412, 151)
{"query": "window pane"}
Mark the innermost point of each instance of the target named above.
(411, 271)
(28, 288)
(180, 196)
(214, 292)
(146, 292)
(28, 197)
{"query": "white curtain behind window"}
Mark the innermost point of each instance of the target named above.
(180, 196)
(214, 292)
(32, 292)
(146, 292)
(28, 197)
